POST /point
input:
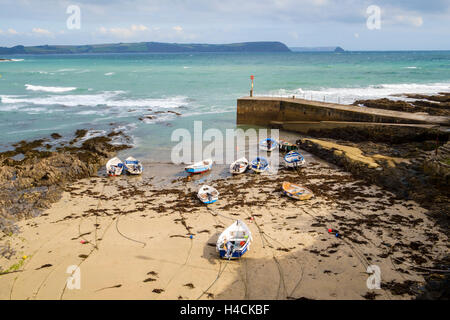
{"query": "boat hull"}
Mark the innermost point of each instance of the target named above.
(263, 165)
(236, 254)
(306, 195)
(294, 159)
(239, 166)
(263, 145)
(209, 202)
(197, 170)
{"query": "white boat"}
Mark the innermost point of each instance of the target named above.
(294, 159)
(239, 166)
(200, 167)
(234, 241)
(133, 166)
(114, 167)
(268, 144)
(208, 194)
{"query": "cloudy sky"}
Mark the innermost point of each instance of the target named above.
(352, 24)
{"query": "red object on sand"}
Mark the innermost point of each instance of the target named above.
(330, 230)
(83, 242)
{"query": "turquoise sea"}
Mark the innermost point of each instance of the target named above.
(40, 95)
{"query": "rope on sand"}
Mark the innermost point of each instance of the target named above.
(128, 238)
(217, 278)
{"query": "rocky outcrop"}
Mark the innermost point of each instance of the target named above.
(437, 164)
(407, 178)
(383, 134)
(436, 105)
(32, 183)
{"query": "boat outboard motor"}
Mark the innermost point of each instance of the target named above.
(229, 248)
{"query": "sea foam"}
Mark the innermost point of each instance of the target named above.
(350, 95)
(49, 89)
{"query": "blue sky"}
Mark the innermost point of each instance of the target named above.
(404, 24)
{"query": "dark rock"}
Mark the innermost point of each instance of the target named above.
(31, 184)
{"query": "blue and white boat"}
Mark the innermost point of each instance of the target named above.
(268, 144)
(234, 241)
(260, 164)
(133, 166)
(294, 159)
(208, 194)
(200, 167)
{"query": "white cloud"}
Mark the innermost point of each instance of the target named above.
(41, 31)
(132, 31)
(12, 31)
(138, 27)
(178, 29)
(1, 31)
(415, 21)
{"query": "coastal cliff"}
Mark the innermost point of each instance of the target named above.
(153, 47)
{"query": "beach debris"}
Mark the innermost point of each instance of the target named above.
(294, 159)
(111, 287)
(259, 164)
(335, 232)
(133, 166)
(234, 241)
(24, 257)
(296, 191)
(158, 290)
(114, 167)
(208, 194)
(191, 237)
(268, 144)
(83, 241)
(44, 266)
(239, 166)
(200, 167)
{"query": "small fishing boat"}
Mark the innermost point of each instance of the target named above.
(286, 146)
(200, 167)
(260, 164)
(234, 241)
(114, 167)
(296, 191)
(208, 194)
(133, 166)
(239, 166)
(294, 159)
(268, 144)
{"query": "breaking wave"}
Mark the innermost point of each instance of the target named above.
(49, 89)
(107, 98)
(350, 95)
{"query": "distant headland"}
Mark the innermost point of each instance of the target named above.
(154, 47)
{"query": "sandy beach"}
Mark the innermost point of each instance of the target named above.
(130, 238)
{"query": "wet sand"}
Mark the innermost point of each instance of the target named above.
(130, 237)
